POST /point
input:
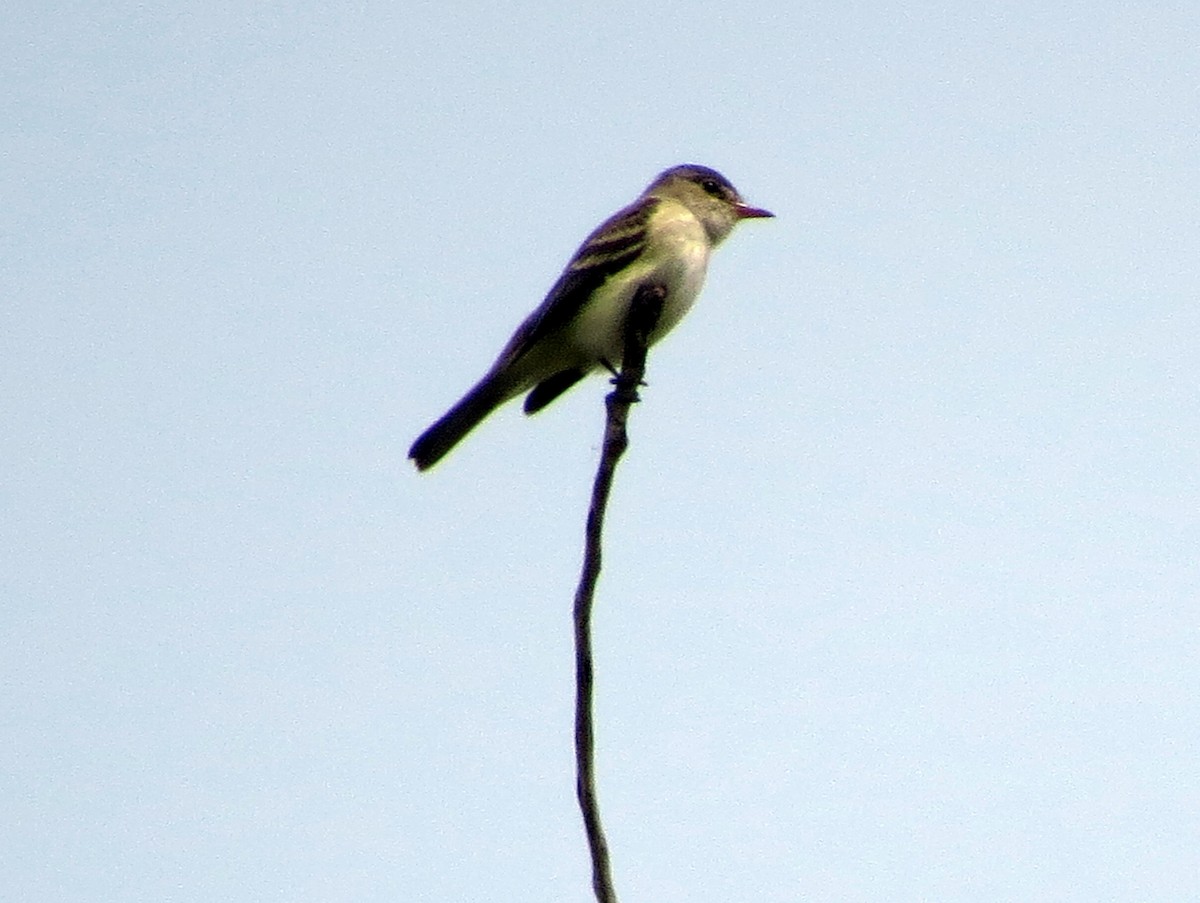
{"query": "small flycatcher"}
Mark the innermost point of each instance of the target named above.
(664, 237)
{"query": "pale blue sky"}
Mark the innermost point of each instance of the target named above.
(902, 570)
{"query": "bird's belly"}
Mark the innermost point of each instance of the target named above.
(599, 329)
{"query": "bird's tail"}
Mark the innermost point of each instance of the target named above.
(432, 445)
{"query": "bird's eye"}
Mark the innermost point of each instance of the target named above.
(713, 187)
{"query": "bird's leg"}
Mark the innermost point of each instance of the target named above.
(616, 374)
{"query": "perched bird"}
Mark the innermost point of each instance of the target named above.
(664, 237)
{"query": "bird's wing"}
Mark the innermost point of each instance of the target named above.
(614, 244)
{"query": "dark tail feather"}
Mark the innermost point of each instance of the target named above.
(549, 389)
(432, 445)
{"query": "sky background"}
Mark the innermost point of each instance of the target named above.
(902, 566)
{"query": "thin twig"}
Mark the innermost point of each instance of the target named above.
(644, 312)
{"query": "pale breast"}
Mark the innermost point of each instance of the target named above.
(676, 256)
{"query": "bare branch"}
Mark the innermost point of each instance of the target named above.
(644, 312)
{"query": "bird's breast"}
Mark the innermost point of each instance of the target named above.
(675, 256)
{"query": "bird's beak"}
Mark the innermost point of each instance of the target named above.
(745, 211)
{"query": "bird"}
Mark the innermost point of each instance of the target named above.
(663, 238)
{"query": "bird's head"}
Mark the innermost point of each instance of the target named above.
(708, 194)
